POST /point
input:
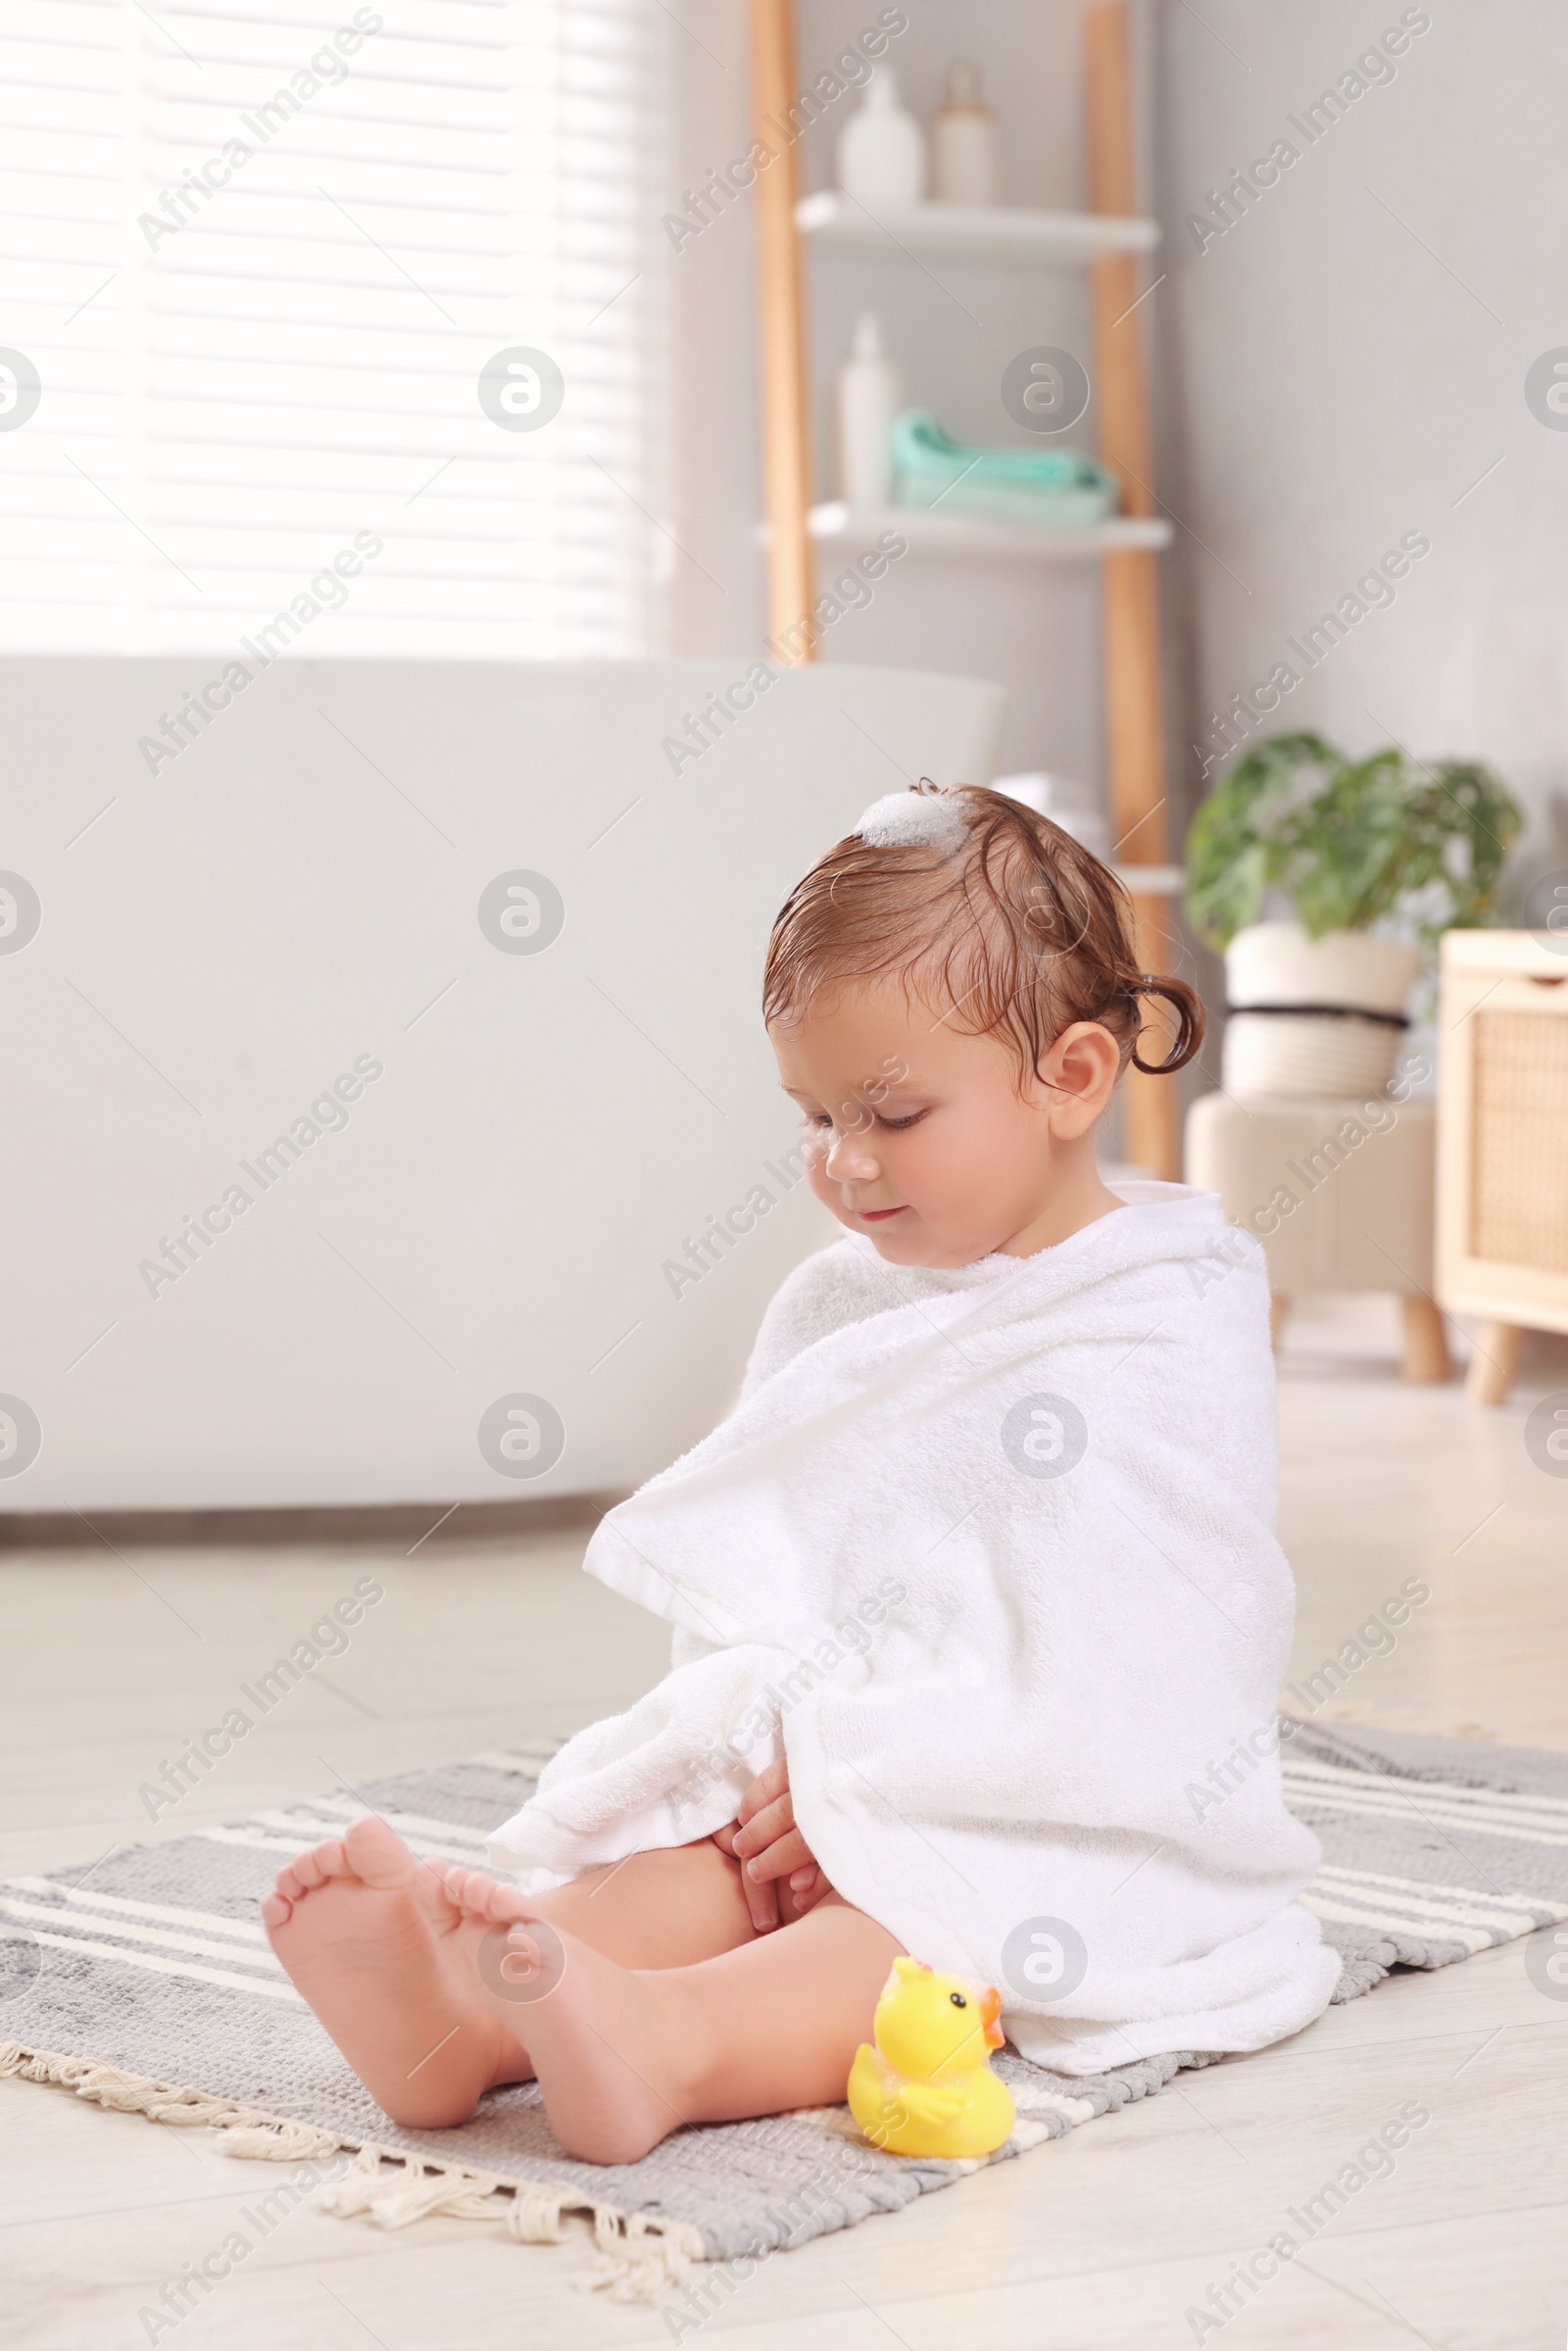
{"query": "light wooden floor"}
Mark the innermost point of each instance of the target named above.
(1098, 2243)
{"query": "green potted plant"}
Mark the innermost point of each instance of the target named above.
(1377, 857)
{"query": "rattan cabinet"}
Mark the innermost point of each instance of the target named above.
(1502, 1143)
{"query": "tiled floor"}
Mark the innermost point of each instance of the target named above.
(1098, 2243)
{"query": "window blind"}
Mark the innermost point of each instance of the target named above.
(258, 256)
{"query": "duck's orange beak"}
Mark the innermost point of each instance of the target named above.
(990, 2010)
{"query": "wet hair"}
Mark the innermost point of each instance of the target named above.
(1003, 917)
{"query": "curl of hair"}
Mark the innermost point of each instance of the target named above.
(1018, 933)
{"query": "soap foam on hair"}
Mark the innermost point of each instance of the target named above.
(912, 819)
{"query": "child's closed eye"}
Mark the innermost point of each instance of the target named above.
(821, 1122)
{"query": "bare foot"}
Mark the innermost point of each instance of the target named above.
(389, 1959)
(615, 2080)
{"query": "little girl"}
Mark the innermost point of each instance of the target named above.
(970, 1592)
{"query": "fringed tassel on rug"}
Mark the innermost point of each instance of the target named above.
(411, 2190)
(246, 2129)
(641, 2255)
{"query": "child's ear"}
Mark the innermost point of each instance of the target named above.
(1080, 1072)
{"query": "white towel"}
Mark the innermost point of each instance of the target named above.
(992, 1551)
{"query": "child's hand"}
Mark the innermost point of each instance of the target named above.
(761, 1896)
(769, 1847)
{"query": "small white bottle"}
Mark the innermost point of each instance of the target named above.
(965, 153)
(868, 397)
(881, 154)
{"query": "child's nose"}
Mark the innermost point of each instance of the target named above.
(850, 1163)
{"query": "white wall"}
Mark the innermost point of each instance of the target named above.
(1349, 362)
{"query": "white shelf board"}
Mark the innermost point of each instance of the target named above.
(1152, 881)
(995, 233)
(932, 532)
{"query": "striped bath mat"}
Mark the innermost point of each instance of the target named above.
(145, 1983)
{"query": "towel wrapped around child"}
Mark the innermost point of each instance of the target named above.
(988, 1553)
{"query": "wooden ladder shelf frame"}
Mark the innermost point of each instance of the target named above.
(1130, 625)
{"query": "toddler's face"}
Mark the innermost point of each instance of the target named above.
(918, 1134)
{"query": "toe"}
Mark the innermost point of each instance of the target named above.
(289, 1883)
(481, 1897)
(436, 1894)
(321, 1863)
(378, 1854)
(497, 1906)
(507, 1905)
(276, 1909)
(468, 1889)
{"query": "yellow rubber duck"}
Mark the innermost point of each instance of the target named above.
(927, 2087)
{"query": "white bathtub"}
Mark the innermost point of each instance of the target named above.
(495, 1214)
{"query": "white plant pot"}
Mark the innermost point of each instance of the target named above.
(1313, 1015)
